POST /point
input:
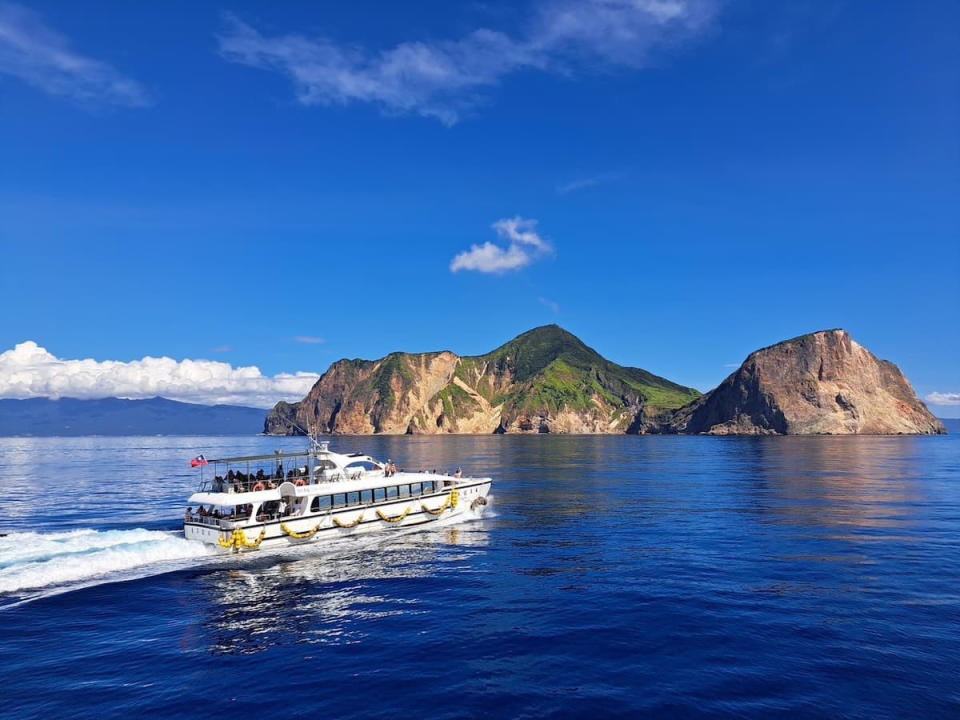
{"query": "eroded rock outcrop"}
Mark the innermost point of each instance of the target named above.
(545, 380)
(822, 383)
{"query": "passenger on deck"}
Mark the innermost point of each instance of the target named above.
(279, 473)
(187, 516)
(458, 473)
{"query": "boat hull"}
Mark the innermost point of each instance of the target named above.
(469, 498)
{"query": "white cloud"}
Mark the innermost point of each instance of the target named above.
(443, 79)
(549, 303)
(29, 370)
(524, 246)
(309, 339)
(939, 398)
(42, 57)
(589, 182)
(578, 185)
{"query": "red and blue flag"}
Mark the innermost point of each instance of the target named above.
(198, 461)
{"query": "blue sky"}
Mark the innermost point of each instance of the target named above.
(678, 182)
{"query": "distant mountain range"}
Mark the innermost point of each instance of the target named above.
(114, 416)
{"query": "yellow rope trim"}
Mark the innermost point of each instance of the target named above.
(396, 519)
(336, 521)
(454, 497)
(226, 543)
(299, 535)
(439, 510)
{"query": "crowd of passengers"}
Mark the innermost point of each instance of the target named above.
(240, 481)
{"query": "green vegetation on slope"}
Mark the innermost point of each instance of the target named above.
(554, 368)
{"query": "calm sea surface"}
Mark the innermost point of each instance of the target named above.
(612, 577)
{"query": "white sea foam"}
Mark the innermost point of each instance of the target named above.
(33, 561)
(38, 564)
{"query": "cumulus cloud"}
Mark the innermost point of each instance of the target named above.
(524, 245)
(939, 398)
(444, 79)
(29, 371)
(41, 57)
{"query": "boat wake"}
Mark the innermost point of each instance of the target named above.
(31, 562)
(36, 565)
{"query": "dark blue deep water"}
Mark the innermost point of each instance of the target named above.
(615, 577)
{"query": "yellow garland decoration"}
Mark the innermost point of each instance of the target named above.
(242, 539)
(336, 521)
(238, 539)
(396, 519)
(454, 497)
(439, 510)
(299, 535)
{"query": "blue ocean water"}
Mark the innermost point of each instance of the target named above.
(614, 577)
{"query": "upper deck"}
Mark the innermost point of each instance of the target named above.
(255, 473)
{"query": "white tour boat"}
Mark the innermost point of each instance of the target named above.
(286, 499)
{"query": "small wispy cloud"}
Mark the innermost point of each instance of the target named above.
(549, 303)
(939, 398)
(223, 349)
(731, 366)
(309, 339)
(524, 245)
(41, 57)
(445, 79)
(587, 182)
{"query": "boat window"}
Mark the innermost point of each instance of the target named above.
(428, 486)
(320, 503)
(404, 490)
(353, 498)
(366, 496)
(416, 488)
(339, 500)
(379, 494)
(391, 491)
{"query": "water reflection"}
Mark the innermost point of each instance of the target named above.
(329, 597)
(865, 488)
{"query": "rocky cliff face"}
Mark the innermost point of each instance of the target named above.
(822, 383)
(545, 380)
